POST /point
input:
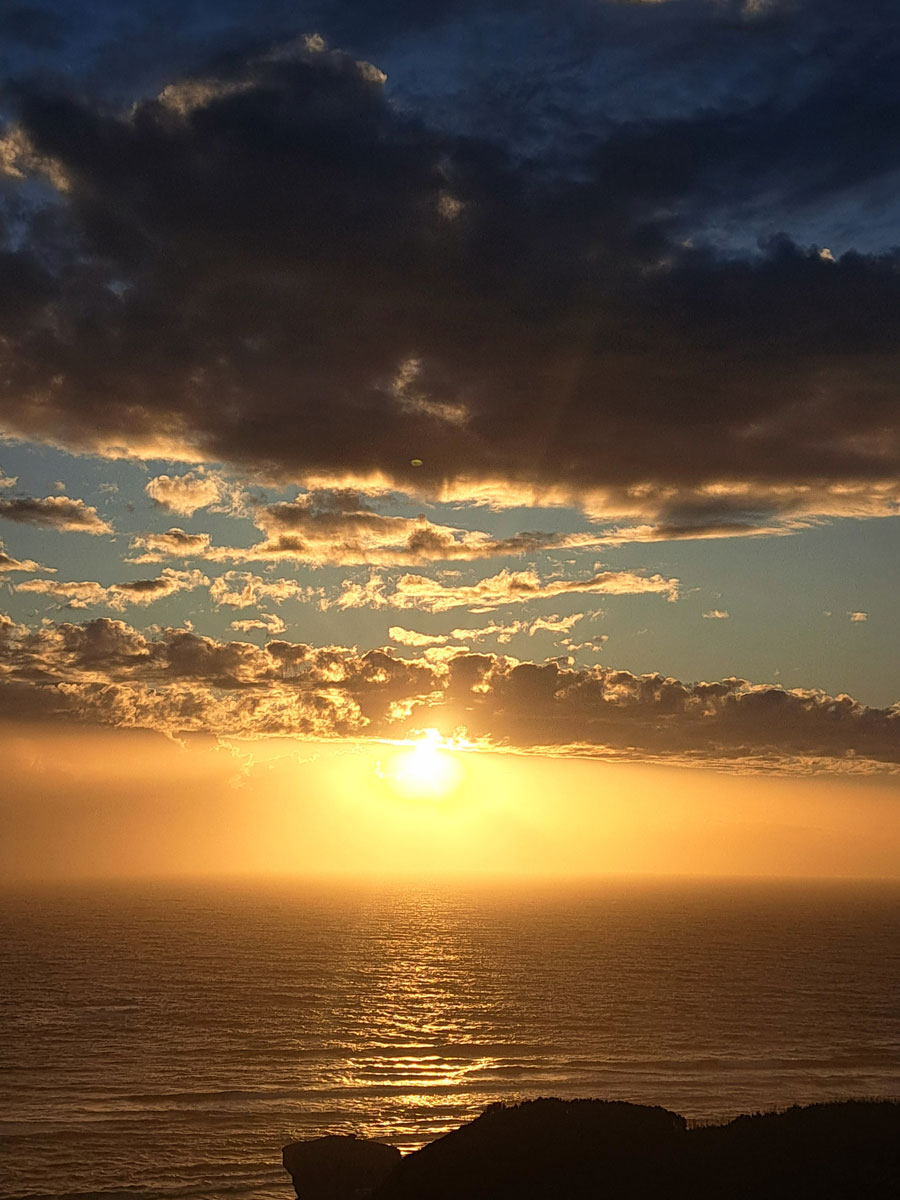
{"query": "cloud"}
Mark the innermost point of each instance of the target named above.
(728, 510)
(500, 633)
(174, 543)
(54, 512)
(9, 564)
(84, 594)
(104, 672)
(241, 589)
(269, 623)
(716, 614)
(89, 594)
(184, 494)
(339, 527)
(594, 644)
(256, 267)
(409, 637)
(554, 624)
(858, 617)
(7, 481)
(495, 591)
(167, 583)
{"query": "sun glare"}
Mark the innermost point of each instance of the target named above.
(427, 769)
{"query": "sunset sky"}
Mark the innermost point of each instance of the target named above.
(522, 372)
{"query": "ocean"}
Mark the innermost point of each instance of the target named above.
(165, 1040)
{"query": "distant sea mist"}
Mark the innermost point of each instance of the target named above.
(167, 1039)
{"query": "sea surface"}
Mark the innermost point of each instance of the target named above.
(165, 1040)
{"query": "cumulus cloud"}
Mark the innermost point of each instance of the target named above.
(241, 589)
(184, 494)
(105, 672)
(174, 543)
(269, 623)
(495, 591)
(858, 617)
(54, 512)
(716, 614)
(118, 596)
(225, 287)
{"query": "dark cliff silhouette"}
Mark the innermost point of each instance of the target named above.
(605, 1150)
(337, 1168)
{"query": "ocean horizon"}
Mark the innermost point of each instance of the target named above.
(166, 1038)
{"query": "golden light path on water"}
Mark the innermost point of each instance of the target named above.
(425, 1049)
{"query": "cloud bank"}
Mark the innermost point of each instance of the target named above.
(104, 672)
(273, 265)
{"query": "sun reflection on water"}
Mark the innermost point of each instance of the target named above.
(420, 1038)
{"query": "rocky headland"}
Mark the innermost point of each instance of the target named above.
(609, 1150)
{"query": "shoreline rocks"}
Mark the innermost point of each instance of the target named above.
(338, 1167)
(552, 1149)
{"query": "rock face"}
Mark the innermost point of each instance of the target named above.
(338, 1168)
(552, 1149)
(602, 1150)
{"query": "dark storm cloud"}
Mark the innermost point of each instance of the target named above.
(104, 672)
(274, 266)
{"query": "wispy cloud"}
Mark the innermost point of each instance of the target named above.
(495, 591)
(500, 633)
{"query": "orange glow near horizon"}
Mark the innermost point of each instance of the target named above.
(94, 804)
(427, 769)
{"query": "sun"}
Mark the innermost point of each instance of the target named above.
(427, 769)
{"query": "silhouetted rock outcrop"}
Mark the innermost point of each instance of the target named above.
(338, 1167)
(549, 1148)
(603, 1150)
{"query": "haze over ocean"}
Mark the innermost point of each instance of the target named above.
(167, 1039)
